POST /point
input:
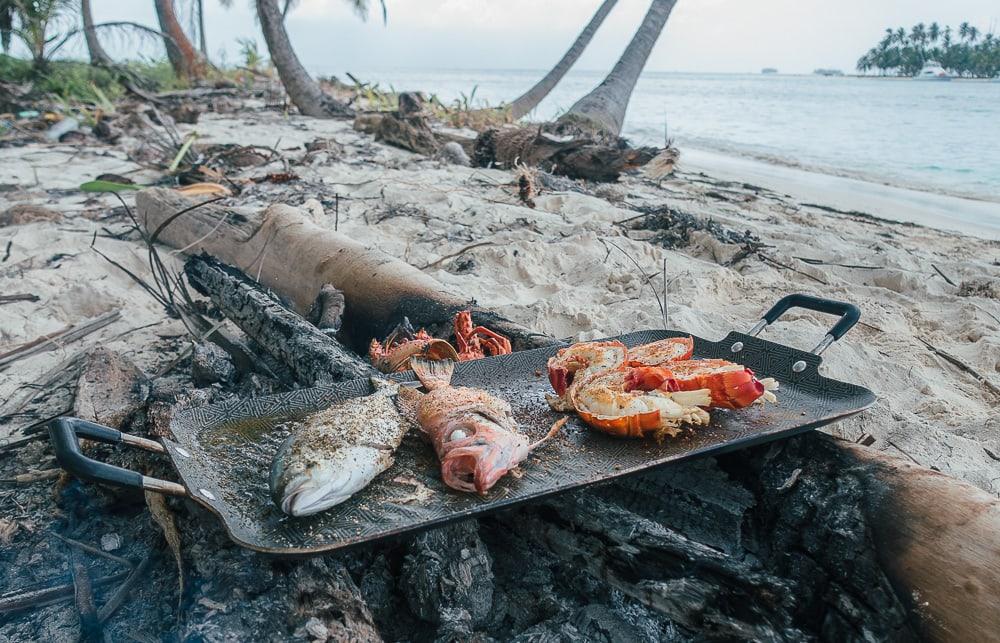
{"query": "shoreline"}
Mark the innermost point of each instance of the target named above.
(945, 212)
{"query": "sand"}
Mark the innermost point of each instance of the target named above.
(560, 268)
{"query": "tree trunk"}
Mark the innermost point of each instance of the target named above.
(379, 290)
(304, 92)
(97, 54)
(603, 109)
(530, 99)
(203, 45)
(807, 538)
(183, 56)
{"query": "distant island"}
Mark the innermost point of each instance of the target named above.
(966, 53)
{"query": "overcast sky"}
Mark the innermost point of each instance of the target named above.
(795, 36)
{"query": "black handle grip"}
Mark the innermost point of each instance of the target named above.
(65, 433)
(849, 313)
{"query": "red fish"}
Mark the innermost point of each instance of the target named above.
(473, 432)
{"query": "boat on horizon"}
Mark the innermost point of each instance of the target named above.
(828, 72)
(932, 70)
(769, 70)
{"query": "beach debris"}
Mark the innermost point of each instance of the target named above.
(108, 186)
(277, 177)
(164, 518)
(393, 355)
(474, 433)
(24, 213)
(987, 287)
(453, 152)
(60, 130)
(186, 112)
(204, 189)
(527, 186)
(327, 311)
(111, 542)
(58, 339)
(18, 296)
(111, 388)
(575, 156)
(334, 453)
(661, 165)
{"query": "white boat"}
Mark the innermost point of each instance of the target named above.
(932, 71)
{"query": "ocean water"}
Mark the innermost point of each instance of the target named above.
(933, 136)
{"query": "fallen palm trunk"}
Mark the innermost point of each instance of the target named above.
(837, 542)
(578, 157)
(293, 256)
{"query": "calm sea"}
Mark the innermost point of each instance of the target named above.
(934, 136)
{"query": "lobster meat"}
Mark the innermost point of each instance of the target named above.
(575, 363)
(733, 386)
(671, 349)
(633, 402)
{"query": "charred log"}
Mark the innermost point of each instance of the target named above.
(312, 356)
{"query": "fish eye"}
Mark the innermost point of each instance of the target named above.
(457, 434)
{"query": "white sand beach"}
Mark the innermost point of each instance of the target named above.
(562, 267)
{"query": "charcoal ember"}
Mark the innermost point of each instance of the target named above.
(211, 365)
(447, 569)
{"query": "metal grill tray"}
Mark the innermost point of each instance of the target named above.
(223, 452)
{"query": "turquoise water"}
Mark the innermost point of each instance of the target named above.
(939, 137)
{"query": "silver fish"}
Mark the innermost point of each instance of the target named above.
(338, 451)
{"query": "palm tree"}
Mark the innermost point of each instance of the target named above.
(183, 56)
(530, 99)
(603, 109)
(304, 92)
(97, 54)
(933, 32)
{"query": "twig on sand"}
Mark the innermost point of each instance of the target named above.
(775, 262)
(6, 251)
(20, 296)
(56, 594)
(435, 264)
(111, 606)
(646, 278)
(962, 366)
(33, 475)
(83, 592)
(820, 262)
(944, 276)
(58, 338)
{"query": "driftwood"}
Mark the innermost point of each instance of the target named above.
(810, 537)
(296, 258)
(578, 157)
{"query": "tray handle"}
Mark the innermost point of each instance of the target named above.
(849, 316)
(65, 434)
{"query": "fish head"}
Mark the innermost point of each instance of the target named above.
(302, 484)
(478, 452)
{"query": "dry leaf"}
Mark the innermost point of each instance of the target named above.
(204, 189)
(157, 504)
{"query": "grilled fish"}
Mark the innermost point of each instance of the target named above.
(338, 451)
(473, 432)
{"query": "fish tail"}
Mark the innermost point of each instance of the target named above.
(433, 374)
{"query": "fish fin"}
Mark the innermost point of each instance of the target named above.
(433, 374)
(383, 386)
(556, 427)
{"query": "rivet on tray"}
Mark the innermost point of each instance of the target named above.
(208, 494)
(799, 366)
(182, 451)
(737, 347)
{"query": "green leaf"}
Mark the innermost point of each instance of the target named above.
(108, 186)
